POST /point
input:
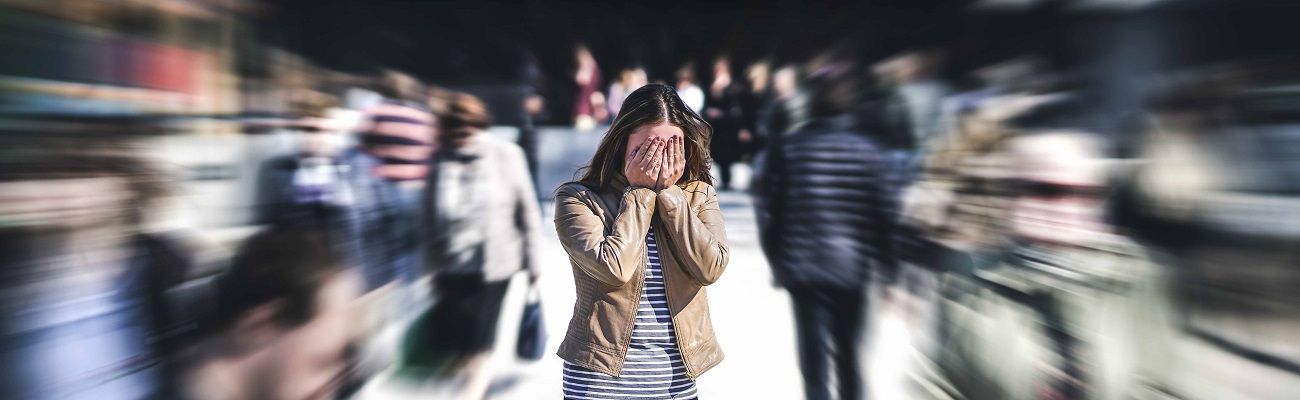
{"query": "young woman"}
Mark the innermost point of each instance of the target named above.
(644, 235)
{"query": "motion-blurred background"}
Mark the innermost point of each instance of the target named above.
(1090, 199)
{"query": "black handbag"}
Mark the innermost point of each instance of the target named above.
(531, 344)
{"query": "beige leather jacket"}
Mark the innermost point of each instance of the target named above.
(605, 236)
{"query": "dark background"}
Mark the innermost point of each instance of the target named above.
(464, 44)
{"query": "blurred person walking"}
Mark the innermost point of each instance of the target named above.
(534, 109)
(690, 93)
(1072, 309)
(1235, 273)
(725, 113)
(588, 101)
(1041, 297)
(757, 94)
(916, 76)
(644, 234)
(631, 79)
(782, 110)
(386, 172)
(826, 214)
(482, 226)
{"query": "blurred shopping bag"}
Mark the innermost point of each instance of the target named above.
(532, 332)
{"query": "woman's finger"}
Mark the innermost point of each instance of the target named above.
(660, 160)
(669, 163)
(653, 168)
(678, 161)
(647, 158)
(650, 151)
(641, 150)
(671, 153)
(679, 152)
(657, 152)
(669, 158)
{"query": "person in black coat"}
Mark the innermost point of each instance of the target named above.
(725, 113)
(826, 214)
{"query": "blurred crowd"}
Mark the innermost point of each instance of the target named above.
(1033, 252)
(1044, 232)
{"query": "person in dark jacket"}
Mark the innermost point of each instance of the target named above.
(725, 114)
(385, 175)
(757, 96)
(826, 223)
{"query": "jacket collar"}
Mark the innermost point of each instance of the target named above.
(618, 184)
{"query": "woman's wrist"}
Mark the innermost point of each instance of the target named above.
(640, 195)
(633, 187)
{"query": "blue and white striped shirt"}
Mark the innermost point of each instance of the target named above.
(654, 368)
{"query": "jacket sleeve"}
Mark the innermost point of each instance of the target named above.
(611, 258)
(698, 236)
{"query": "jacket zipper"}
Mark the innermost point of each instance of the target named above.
(669, 298)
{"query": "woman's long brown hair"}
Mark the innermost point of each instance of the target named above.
(651, 104)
